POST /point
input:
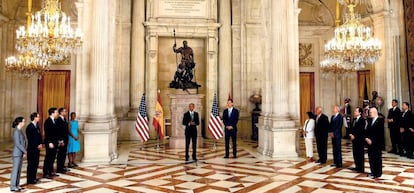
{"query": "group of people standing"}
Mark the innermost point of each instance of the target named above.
(191, 120)
(401, 125)
(362, 131)
(60, 139)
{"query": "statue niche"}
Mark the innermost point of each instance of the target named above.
(183, 77)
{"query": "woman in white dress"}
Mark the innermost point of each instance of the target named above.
(308, 134)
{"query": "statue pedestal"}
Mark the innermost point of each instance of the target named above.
(179, 105)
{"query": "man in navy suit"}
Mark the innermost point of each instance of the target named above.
(335, 133)
(230, 119)
(191, 120)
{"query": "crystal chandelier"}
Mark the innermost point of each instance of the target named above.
(49, 34)
(353, 46)
(27, 65)
(47, 39)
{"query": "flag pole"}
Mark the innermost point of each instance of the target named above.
(214, 144)
(157, 147)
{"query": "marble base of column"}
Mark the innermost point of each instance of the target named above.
(278, 140)
(99, 144)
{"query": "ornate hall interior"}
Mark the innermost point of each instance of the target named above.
(275, 59)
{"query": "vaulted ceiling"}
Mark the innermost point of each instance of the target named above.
(313, 12)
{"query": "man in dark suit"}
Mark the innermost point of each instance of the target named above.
(321, 134)
(407, 130)
(191, 121)
(335, 132)
(357, 136)
(373, 136)
(393, 119)
(34, 145)
(230, 119)
(51, 142)
(63, 133)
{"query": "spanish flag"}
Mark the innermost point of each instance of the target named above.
(158, 121)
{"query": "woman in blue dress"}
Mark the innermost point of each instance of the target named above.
(73, 145)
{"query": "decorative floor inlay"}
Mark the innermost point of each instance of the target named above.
(144, 168)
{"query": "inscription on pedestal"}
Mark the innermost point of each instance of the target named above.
(183, 8)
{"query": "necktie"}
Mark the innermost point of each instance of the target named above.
(356, 120)
(373, 121)
(317, 118)
(229, 112)
(192, 115)
(404, 114)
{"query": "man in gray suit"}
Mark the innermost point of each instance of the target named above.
(19, 151)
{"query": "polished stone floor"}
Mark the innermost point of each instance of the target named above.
(148, 169)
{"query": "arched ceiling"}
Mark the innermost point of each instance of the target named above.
(322, 12)
(313, 12)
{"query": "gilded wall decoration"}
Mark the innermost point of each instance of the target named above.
(305, 55)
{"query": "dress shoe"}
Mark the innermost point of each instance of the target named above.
(226, 157)
(234, 157)
(47, 176)
(32, 182)
(186, 159)
(333, 165)
(393, 151)
(55, 175)
(195, 159)
(318, 161)
(353, 169)
(338, 166)
(61, 172)
(15, 190)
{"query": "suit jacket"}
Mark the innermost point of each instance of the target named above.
(336, 125)
(19, 143)
(232, 120)
(406, 122)
(34, 138)
(187, 119)
(321, 126)
(51, 132)
(358, 129)
(375, 132)
(396, 116)
(63, 129)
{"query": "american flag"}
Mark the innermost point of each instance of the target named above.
(141, 125)
(214, 125)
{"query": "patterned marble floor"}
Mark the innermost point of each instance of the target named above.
(146, 169)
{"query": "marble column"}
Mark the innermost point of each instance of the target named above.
(294, 106)
(137, 84)
(277, 132)
(225, 59)
(100, 126)
(381, 73)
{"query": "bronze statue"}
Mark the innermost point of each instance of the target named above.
(185, 69)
